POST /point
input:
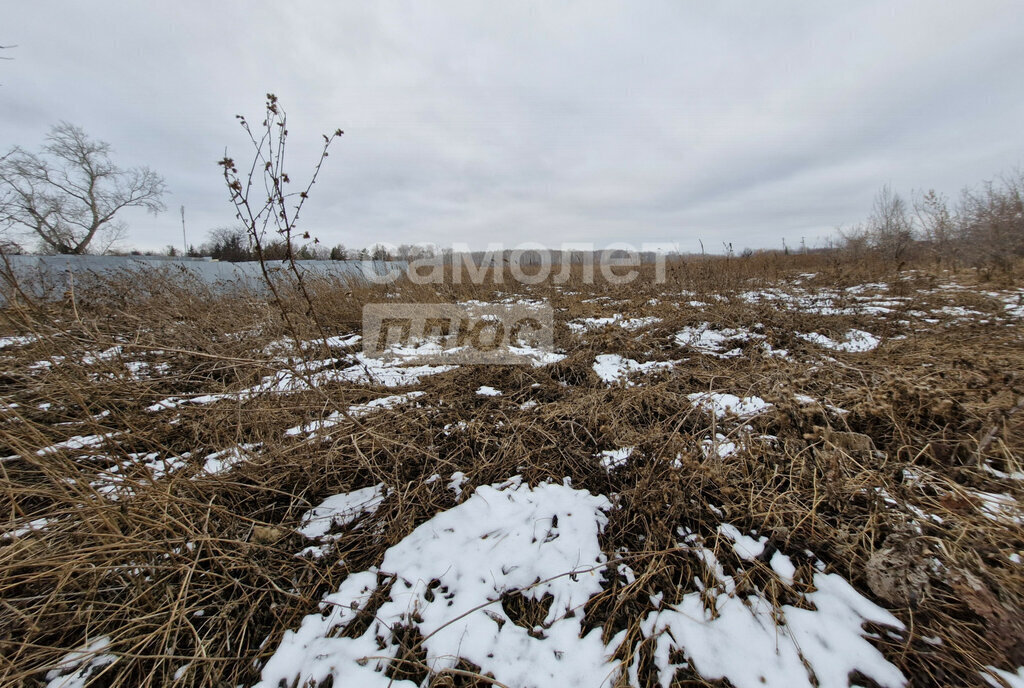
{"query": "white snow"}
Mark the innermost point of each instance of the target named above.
(341, 509)
(77, 442)
(744, 546)
(722, 404)
(342, 341)
(806, 400)
(584, 324)
(826, 301)
(613, 368)
(783, 567)
(227, 459)
(752, 644)
(999, 507)
(77, 668)
(449, 576)
(1009, 678)
(366, 370)
(715, 342)
(486, 391)
(1012, 475)
(369, 370)
(17, 340)
(720, 447)
(613, 458)
(114, 483)
(359, 410)
(905, 505)
(282, 350)
(139, 370)
(313, 428)
(26, 527)
(772, 352)
(457, 481)
(92, 358)
(537, 357)
(440, 349)
(459, 426)
(855, 341)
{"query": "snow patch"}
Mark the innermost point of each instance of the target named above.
(721, 404)
(715, 342)
(227, 459)
(449, 576)
(78, 667)
(999, 507)
(745, 547)
(1008, 678)
(854, 341)
(26, 527)
(341, 509)
(16, 340)
(753, 644)
(77, 442)
(584, 324)
(613, 458)
(720, 447)
(613, 368)
(314, 428)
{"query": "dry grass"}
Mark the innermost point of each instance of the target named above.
(201, 570)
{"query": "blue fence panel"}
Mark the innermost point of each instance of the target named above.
(44, 276)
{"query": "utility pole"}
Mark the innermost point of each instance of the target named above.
(184, 239)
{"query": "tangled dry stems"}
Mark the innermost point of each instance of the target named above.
(201, 570)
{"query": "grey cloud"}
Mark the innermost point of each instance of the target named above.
(478, 122)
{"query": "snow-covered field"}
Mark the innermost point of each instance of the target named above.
(786, 485)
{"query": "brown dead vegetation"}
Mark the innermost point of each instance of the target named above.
(201, 571)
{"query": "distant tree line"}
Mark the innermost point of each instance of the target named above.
(982, 228)
(232, 244)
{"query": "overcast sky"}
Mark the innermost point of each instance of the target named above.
(549, 122)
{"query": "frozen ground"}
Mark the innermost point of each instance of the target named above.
(448, 577)
(505, 565)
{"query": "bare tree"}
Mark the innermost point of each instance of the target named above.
(889, 227)
(855, 241)
(70, 194)
(992, 221)
(937, 224)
